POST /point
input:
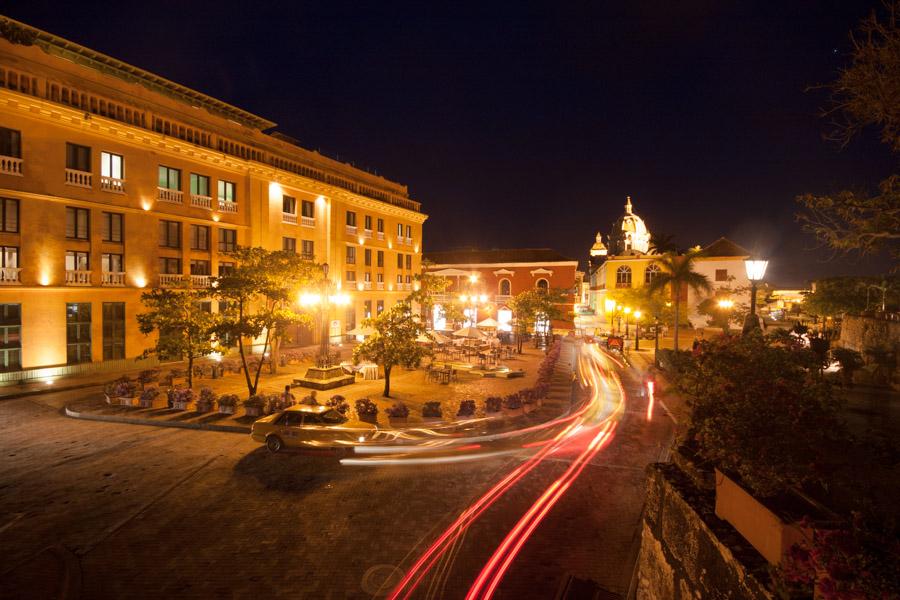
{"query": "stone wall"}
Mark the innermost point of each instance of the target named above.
(859, 333)
(687, 552)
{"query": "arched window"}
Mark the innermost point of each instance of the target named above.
(652, 271)
(623, 277)
(542, 284)
(505, 287)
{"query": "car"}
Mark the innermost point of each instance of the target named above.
(310, 425)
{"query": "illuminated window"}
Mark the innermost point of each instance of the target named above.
(623, 277)
(112, 263)
(199, 185)
(651, 272)
(9, 257)
(367, 308)
(78, 332)
(169, 178)
(226, 191)
(78, 261)
(399, 230)
(379, 307)
(505, 287)
(112, 165)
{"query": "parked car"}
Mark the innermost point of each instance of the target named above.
(309, 425)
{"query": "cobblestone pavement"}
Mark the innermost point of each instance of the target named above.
(111, 511)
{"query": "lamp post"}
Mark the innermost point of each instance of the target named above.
(627, 311)
(756, 270)
(324, 300)
(637, 330)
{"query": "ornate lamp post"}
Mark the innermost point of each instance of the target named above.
(324, 375)
(756, 270)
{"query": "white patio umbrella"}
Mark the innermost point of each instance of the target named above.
(489, 323)
(439, 337)
(472, 333)
(363, 331)
(424, 339)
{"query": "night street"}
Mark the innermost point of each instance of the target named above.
(214, 515)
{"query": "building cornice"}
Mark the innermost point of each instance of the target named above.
(433, 267)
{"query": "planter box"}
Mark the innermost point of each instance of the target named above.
(226, 410)
(125, 400)
(513, 412)
(145, 403)
(204, 407)
(759, 525)
(465, 417)
(253, 411)
(431, 420)
(395, 421)
(180, 405)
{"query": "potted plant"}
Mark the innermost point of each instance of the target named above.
(181, 398)
(493, 404)
(254, 405)
(512, 405)
(148, 376)
(431, 411)
(529, 402)
(123, 391)
(338, 403)
(398, 413)
(366, 410)
(148, 396)
(227, 403)
(206, 400)
(466, 409)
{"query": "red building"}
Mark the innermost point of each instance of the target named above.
(488, 279)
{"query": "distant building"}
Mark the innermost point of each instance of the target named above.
(723, 264)
(494, 277)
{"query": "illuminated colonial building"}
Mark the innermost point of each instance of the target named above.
(113, 179)
(489, 279)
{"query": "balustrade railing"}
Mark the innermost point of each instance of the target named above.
(111, 184)
(113, 278)
(78, 277)
(10, 165)
(169, 195)
(77, 178)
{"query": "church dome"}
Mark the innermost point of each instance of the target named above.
(629, 234)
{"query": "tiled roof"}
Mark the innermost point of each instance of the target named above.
(725, 247)
(496, 256)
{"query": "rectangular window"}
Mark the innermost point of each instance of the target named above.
(380, 225)
(10, 143)
(399, 261)
(78, 158)
(226, 191)
(379, 307)
(409, 261)
(169, 178)
(367, 308)
(379, 277)
(409, 231)
(351, 218)
(367, 277)
(199, 185)
(227, 240)
(112, 263)
(350, 318)
(205, 306)
(170, 234)
(78, 261)
(9, 257)
(379, 259)
(10, 337)
(112, 165)
(225, 268)
(309, 209)
(399, 230)
(289, 205)
(78, 223)
(170, 266)
(351, 255)
(308, 249)
(408, 279)
(721, 274)
(112, 226)
(9, 219)
(351, 276)
(199, 237)
(289, 244)
(399, 278)
(113, 330)
(200, 267)
(368, 221)
(367, 253)
(78, 332)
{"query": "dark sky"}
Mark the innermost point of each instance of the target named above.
(521, 125)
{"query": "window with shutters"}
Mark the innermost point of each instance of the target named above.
(78, 158)
(199, 237)
(10, 143)
(289, 244)
(227, 240)
(113, 330)
(170, 234)
(308, 252)
(170, 266)
(112, 226)
(9, 219)
(169, 178)
(77, 223)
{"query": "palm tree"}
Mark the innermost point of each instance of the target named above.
(678, 273)
(660, 243)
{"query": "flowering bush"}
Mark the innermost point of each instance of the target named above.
(493, 404)
(255, 401)
(397, 411)
(512, 401)
(431, 410)
(148, 376)
(228, 400)
(466, 408)
(366, 408)
(182, 395)
(339, 403)
(150, 394)
(123, 389)
(207, 396)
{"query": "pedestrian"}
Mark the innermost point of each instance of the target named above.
(288, 398)
(310, 399)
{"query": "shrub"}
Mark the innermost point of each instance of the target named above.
(255, 401)
(338, 403)
(397, 411)
(228, 400)
(431, 410)
(493, 404)
(123, 389)
(366, 408)
(207, 396)
(183, 395)
(150, 394)
(148, 376)
(850, 361)
(466, 408)
(512, 401)
(273, 401)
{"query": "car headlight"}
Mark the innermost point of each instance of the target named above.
(361, 438)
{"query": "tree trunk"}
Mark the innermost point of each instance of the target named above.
(275, 351)
(190, 373)
(251, 389)
(387, 381)
(677, 298)
(262, 359)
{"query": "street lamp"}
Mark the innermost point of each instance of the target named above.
(637, 330)
(756, 270)
(627, 311)
(325, 299)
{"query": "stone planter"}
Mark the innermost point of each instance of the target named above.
(204, 407)
(367, 418)
(226, 410)
(145, 403)
(253, 411)
(179, 405)
(765, 530)
(513, 412)
(125, 400)
(431, 420)
(398, 421)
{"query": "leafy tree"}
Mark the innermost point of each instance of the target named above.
(652, 305)
(866, 93)
(532, 306)
(835, 296)
(723, 317)
(394, 341)
(427, 286)
(183, 328)
(678, 274)
(260, 297)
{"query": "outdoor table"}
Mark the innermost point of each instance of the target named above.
(369, 371)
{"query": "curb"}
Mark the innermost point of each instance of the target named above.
(154, 423)
(49, 390)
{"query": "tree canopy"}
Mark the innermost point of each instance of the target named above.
(678, 274)
(394, 341)
(531, 306)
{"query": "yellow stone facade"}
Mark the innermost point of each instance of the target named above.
(235, 184)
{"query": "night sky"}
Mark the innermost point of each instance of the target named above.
(525, 127)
